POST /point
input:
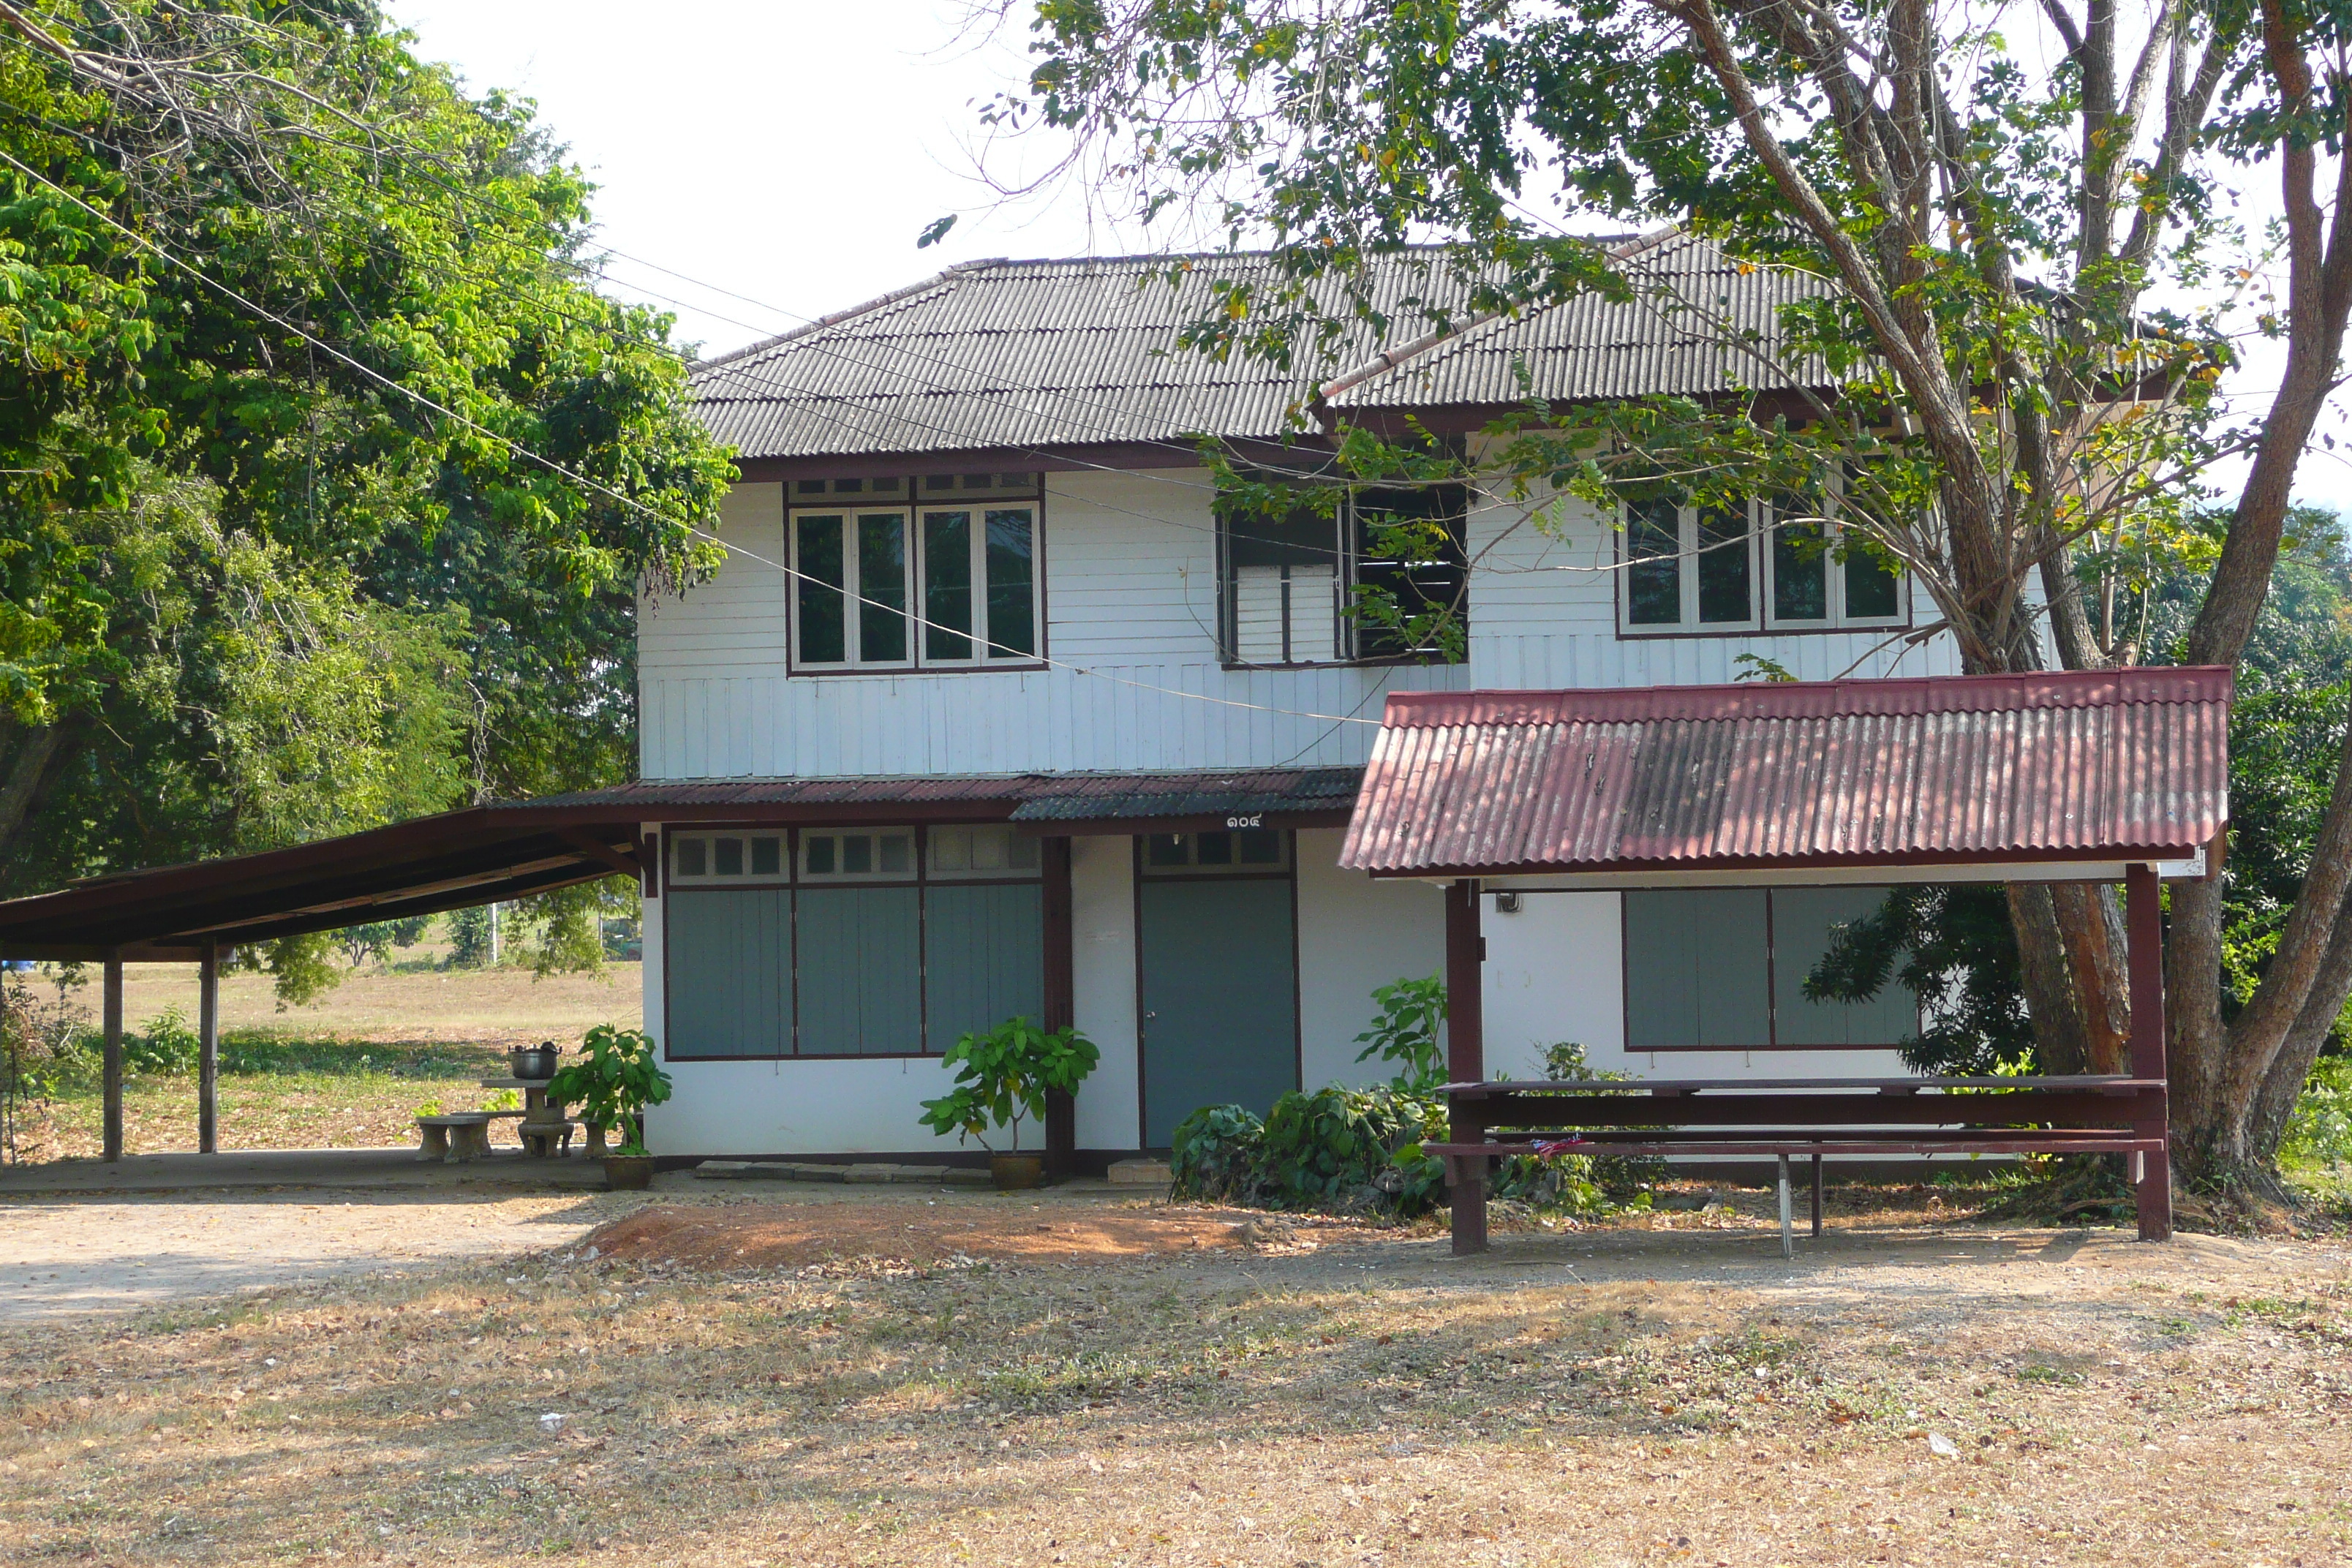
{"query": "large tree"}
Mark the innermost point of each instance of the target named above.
(2023, 215)
(327, 476)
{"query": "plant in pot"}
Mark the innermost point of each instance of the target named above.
(1002, 1078)
(612, 1082)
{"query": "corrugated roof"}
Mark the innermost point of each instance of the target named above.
(1025, 355)
(2095, 765)
(1078, 797)
(1041, 353)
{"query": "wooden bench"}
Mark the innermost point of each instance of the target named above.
(1746, 1118)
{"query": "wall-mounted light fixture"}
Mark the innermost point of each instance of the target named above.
(1507, 903)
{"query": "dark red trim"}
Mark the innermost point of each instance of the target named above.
(2102, 854)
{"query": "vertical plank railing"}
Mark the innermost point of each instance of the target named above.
(208, 1050)
(111, 1005)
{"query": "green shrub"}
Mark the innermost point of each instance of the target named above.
(1623, 1178)
(1405, 1031)
(1347, 1149)
(1215, 1152)
(164, 1047)
(2319, 1130)
(1003, 1076)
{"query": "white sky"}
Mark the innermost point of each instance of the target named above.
(790, 151)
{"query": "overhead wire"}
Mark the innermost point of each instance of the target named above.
(519, 450)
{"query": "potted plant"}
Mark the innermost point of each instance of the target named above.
(1002, 1078)
(612, 1083)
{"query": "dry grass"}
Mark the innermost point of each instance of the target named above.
(491, 1007)
(1631, 1396)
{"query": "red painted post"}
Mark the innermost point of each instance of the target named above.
(1466, 1058)
(1061, 1001)
(2144, 921)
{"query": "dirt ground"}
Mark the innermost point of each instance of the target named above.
(890, 1375)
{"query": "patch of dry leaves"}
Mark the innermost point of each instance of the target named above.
(1198, 1407)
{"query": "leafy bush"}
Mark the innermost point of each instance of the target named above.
(164, 1047)
(613, 1080)
(2319, 1131)
(1215, 1154)
(1405, 1031)
(1003, 1076)
(1621, 1178)
(1350, 1149)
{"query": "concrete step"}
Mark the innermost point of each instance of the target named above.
(1138, 1173)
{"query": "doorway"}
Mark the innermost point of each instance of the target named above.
(1217, 973)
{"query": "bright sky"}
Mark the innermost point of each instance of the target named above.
(791, 151)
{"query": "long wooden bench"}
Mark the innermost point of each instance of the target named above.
(1815, 1118)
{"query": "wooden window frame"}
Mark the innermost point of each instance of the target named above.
(1761, 569)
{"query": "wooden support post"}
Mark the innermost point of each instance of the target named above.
(1061, 1001)
(2144, 921)
(1465, 1059)
(1817, 1197)
(112, 1022)
(208, 1050)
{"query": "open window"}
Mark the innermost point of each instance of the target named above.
(1371, 578)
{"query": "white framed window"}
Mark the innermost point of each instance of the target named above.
(949, 582)
(958, 854)
(737, 857)
(1241, 851)
(1780, 564)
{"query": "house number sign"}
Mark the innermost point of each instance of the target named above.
(1257, 821)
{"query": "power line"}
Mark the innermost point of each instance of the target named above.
(519, 449)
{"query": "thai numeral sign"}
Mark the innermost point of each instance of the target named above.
(1257, 821)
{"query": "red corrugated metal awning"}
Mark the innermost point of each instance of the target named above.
(2071, 767)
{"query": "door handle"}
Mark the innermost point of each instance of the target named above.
(1149, 1017)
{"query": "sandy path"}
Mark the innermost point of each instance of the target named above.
(63, 1257)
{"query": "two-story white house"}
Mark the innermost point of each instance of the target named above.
(1003, 715)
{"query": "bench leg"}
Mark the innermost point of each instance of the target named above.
(2155, 1195)
(434, 1143)
(1469, 1207)
(1817, 1197)
(1788, 1242)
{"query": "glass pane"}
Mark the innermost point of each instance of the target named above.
(1723, 569)
(1654, 579)
(1800, 582)
(947, 584)
(1164, 849)
(1012, 597)
(726, 856)
(1021, 853)
(987, 849)
(1260, 846)
(819, 852)
(820, 584)
(857, 854)
(1870, 587)
(766, 859)
(897, 854)
(950, 849)
(1216, 849)
(882, 588)
(688, 858)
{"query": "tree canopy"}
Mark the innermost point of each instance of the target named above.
(306, 352)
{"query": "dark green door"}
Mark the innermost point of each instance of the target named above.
(1220, 998)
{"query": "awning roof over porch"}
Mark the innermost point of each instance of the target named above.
(2065, 773)
(505, 851)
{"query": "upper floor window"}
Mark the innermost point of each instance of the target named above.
(1383, 576)
(1782, 564)
(934, 572)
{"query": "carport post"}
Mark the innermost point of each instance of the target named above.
(208, 1050)
(113, 1017)
(2144, 923)
(1466, 1057)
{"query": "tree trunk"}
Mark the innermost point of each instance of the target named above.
(2059, 1029)
(2265, 1121)
(38, 752)
(2197, 1047)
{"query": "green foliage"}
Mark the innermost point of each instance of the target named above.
(1004, 1074)
(164, 1047)
(249, 594)
(614, 1082)
(379, 939)
(1336, 1148)
(1405, 1031)
(505, 1100)
(2319, 1131)
(1578, 1180)
(1954, 946)
(469, 937)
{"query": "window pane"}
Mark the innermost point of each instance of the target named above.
(1020, 852)
(985, 958)
(1216, 849)
(766, 860)
(729, 979)
(1654, 579)
(821, 582)
(861, 970)
(857, 854)
(882, 588)
(950, 849)
(898, 854)
(1260, 846)
(1012, 596)
(1165, 849)
(1869, 588)
(726, 856)
(947, 584)
(686, 859)
(1723, 570)
(1804, 920)
(1696, 970)
(1800, 584)
(819, 851)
